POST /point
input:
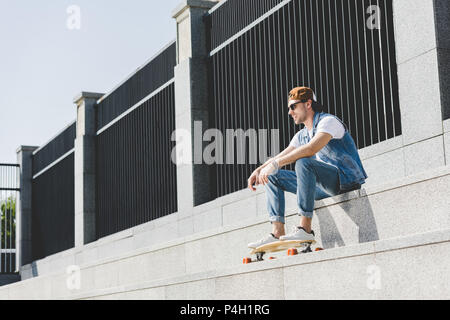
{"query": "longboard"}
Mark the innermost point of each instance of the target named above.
(281, 246)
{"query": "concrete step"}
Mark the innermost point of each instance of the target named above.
(412, 267)
(162, 250)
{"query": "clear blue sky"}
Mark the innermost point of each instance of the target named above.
(44, 64)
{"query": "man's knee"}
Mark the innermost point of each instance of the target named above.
(303, 164)
(273, 180)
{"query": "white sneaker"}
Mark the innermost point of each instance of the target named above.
(299, 234)
(271, 238)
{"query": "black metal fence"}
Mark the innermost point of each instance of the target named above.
(53, 189)
(146, 80)
(232, 16)
(56, 148)
(136, 179)
(9, 195)
(331, 46)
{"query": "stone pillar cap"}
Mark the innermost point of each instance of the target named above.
(26, 148)
(83, 95)
(185, 4)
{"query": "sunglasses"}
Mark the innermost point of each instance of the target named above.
(293, 106)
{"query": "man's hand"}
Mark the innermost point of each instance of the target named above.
(265, 173)
(253, 180)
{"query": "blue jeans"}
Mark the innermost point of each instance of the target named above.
(312, 180)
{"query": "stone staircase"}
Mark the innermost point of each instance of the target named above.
(387, 241)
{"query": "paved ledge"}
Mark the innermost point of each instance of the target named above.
(369, 190)
(406, 181)
(372, 248)
(381, 148)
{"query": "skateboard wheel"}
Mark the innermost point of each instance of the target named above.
(292, 252)
(319, 249)
(247, 260)
(260, 256)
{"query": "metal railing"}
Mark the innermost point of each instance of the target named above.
(231, 16)
(53, 204)
(152, 75)
(53, 187)
(54, 150)
(9, 192)
(331, 46)
(135, 177)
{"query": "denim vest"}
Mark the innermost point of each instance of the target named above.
(340, 153)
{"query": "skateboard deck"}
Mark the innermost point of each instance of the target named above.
(278, 246)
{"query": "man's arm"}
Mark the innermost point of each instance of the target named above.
(284, 153)
(255, 175)
(305, 151)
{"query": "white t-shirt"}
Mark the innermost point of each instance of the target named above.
(328, 125)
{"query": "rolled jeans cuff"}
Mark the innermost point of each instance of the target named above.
(306, 214)
(277, 219)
